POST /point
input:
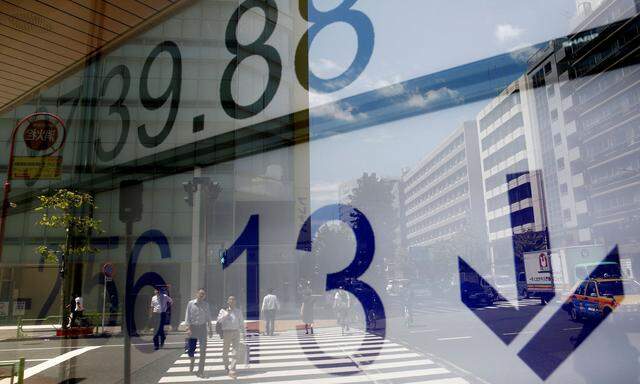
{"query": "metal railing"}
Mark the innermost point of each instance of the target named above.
(16, 369)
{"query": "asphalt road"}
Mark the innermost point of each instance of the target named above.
(449, 343)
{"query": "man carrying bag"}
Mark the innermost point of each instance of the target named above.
(198, 321)
(232, 322)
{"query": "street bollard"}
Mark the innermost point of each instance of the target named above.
(21, 371)
(19, 333)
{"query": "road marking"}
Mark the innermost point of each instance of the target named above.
(452, 380)
(301, 352)
(306, 364)
(50, 363)
(517, 333)
(454, 338)
(335, 359)
(424, 330)
(15, 361)
(571, 329)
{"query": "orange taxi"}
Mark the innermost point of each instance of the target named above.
(595, 299)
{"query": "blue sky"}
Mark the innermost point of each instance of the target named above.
(414, 38)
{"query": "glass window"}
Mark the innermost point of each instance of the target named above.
(581, 289)
(557, 139)
(337, 176)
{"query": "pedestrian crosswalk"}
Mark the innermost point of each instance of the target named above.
(443, 308)
(327, 357)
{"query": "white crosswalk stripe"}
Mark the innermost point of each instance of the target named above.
(440, 309)
(324, 358)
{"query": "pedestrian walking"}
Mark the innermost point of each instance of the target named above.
(232, 324)
(76, 310)
(198, 321)
(408, 299)
(270, 305)
(306, 311)
(159, 309)
(342, 304)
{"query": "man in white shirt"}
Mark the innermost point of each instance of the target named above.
(270, 306)
(232, 323)
(160, 303)
(198, 320)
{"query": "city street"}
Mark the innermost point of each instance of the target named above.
(289, 357)
(458, 338)
(447, 344)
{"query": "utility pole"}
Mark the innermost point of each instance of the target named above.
(201, 194)
(130, 211)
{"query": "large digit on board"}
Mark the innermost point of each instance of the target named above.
(248, 241)
(341, 14)
(257, 48)
(119, 108)
(347, 279)
(148, 279)
(173, 90)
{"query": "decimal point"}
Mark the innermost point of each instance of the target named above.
(198, 123)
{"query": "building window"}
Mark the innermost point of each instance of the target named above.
(557, 139)
(551, 91)
(567, 214)
(560, 164)
(554, 115)
(547, 68)
(564, 189)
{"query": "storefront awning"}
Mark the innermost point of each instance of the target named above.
(41, 40)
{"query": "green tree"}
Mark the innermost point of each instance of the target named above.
(374, 196)
(71, 212)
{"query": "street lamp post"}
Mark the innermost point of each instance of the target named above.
(7, 183)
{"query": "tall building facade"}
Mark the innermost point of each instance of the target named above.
(600, 87)
(442, 193)
(511, 177)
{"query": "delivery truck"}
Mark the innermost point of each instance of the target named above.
(558, 270)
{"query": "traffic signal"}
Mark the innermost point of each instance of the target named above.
(213, 191)
(130, 201)
(190, 188)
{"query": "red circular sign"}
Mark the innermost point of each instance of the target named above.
(41, 134)
(543, 260)
(107, 269)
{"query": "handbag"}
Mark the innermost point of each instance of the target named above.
(243, 354)
(219, 328)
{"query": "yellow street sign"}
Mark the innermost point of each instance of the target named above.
(42, 168)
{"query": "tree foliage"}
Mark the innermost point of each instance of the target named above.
(374, 197)
(67, 210)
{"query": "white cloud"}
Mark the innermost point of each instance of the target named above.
(389, 88)
(323, 193)
(323, 105)
(522, 52)
(326, 68)
(434, 96)
(507, 32)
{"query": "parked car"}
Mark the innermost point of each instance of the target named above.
(473, 293)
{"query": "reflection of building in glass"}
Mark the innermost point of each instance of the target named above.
(117, 132)
(600, 85)
(443, 194)
(513, 195)
(559, 175)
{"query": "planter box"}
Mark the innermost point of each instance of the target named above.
(74, 331)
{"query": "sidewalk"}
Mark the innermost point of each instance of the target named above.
(48, 331)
